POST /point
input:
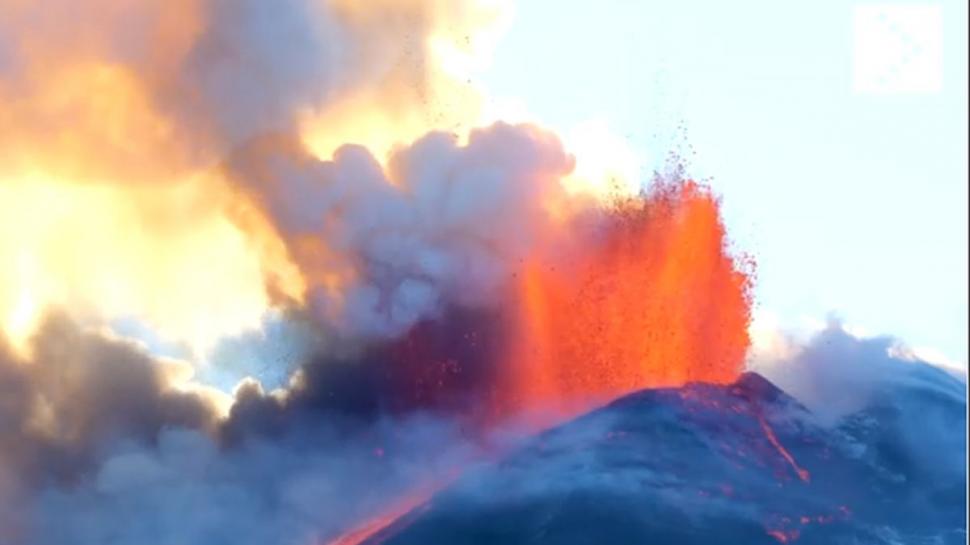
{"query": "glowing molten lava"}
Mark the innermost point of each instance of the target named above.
(654, 299)
(373, 526)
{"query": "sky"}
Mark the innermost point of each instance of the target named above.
(836, 133)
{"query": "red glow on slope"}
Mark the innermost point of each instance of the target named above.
(655, 301)
(388, 516)
(370, 527)
(786, 529)
(770, 434)
(784, 536)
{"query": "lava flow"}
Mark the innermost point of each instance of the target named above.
(373, 526)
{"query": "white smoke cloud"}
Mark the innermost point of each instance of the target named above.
(447, 222)
(835, 372)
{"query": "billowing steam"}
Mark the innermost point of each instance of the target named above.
(445, 222)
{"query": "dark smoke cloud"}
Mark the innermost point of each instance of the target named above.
(292, 490)
(98, 446)
(78, 393)
(444, 367)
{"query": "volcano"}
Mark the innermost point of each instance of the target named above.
(742, 463)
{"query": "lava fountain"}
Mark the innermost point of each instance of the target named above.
(652, 298)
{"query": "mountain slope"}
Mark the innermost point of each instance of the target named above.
(741, 464)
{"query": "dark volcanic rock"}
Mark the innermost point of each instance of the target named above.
(737, 464)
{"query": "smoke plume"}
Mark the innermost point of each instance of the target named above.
(127, 111)
(391, 248)
(192, 170)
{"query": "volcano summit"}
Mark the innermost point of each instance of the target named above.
(743, 463)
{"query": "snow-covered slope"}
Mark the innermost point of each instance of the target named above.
(737, 464)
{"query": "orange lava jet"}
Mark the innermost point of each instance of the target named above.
(653, 299)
